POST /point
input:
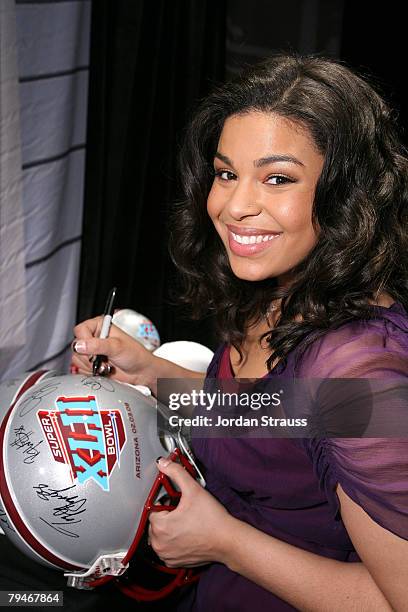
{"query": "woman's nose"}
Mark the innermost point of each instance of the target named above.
(243, 201)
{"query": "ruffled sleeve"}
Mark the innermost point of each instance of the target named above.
(373, 471)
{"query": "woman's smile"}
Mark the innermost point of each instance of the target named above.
(249, 241)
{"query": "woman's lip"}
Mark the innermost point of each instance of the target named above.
(250, 249)
(251, 231)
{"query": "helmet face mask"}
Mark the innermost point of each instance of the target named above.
(78, 474)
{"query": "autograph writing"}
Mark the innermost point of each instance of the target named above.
(34, 399)
(67, 512)
(61, 530)
(22, 441)
(96, 385)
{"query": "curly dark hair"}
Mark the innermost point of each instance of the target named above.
(360, 204)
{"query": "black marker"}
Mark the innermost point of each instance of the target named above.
(106, 323)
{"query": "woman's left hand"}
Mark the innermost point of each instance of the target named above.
(196, 532)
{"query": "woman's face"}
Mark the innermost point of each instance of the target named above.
(262, 196)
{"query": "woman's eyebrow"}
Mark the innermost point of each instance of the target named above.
(223, 158)
(258, 163)
(263, 161)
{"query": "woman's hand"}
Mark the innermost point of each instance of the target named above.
(130, 360)
(197, 531)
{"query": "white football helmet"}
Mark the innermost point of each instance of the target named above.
(138, 326)
(78, 477)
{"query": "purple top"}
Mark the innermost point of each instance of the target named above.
(286, 487)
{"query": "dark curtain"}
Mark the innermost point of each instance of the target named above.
(375, 43)
(150, 64)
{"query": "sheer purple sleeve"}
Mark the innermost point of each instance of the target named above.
(373, 471)
(215, 362)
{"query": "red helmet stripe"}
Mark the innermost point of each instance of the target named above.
(7, 500)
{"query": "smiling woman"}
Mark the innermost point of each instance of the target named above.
(347, 172)
(294, 232)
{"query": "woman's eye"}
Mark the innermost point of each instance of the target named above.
(274, 179)
(224, 175)
(278, 179)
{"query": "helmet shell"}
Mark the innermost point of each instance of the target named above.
(13, 387)
(187, 354)
(138, 326)
(78, 459)
(10, 390)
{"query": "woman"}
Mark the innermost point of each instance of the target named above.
(293, 232)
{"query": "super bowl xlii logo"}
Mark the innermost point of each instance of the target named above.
(148, 331)
(86, 439)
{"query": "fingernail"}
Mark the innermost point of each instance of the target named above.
(163, 462)
(79, 346)
(158, 459)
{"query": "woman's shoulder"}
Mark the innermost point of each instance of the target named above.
(385, 324)
(361, 347)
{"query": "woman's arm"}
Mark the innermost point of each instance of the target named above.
(315, 583)
(200, 530)
(131, 361)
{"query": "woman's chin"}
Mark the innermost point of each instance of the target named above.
(251, 274)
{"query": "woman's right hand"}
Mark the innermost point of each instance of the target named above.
(130, 361)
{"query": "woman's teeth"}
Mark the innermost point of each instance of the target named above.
(253, 239)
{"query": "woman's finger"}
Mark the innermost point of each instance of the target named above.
(89, 328)
(97, 346)
(80, 362)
